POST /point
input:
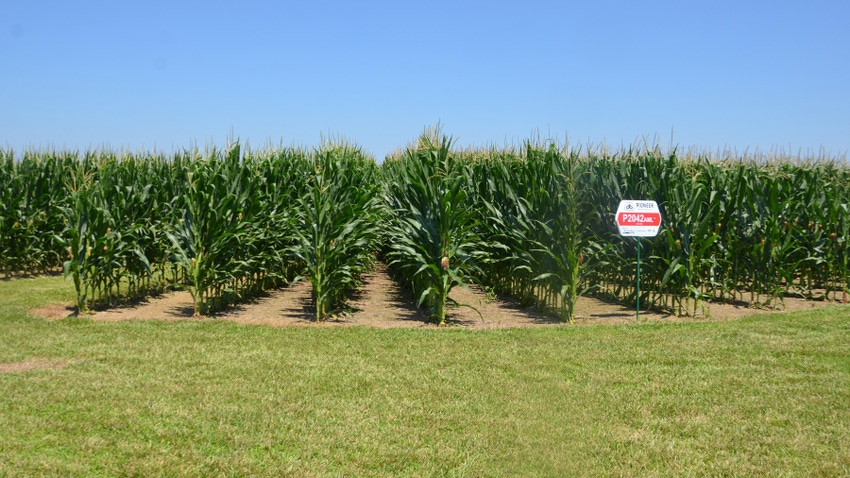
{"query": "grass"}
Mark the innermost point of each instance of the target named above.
(767, 395)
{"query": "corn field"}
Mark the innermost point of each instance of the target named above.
(534, 222)
(31, 192)
(733, 229)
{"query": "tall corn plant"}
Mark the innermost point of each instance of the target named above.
(538, 225)
(433, 239)
(82, 219)
(8, 209)
(687, 251)
(572, 246)
(117, 257)
(610, 179)
(338, 219)
(211, 228)
(278, 178)
(31, 192)
(508, 223)
(836, 245)
(235, 226)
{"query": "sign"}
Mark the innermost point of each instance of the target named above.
(638, 218)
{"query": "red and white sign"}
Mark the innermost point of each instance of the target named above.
(638, 218)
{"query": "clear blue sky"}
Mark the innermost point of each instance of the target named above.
(739, 74)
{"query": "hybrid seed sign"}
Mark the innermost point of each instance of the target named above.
(638, 218)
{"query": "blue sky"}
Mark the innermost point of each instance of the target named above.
(739, 74)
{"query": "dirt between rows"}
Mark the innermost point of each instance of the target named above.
(382, 303)
(35, 363)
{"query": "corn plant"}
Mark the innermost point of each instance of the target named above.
(507, 216)
(78, 237)
(690, 209)
(211, 227)
(338, 218)
(31, 193)
(433, 239)
(572, 247)
(537, 222)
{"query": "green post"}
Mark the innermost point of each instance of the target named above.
(637, 308)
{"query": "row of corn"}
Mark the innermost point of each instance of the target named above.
(225, 224)
(535, 222)
(538, 223)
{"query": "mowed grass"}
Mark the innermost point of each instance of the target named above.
(767, 395)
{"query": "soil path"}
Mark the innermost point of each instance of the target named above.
(382, 303)
(35, 363)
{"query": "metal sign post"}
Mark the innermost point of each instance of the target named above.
(638, 219)
(637, 296)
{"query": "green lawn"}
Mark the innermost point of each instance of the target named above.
(767, 395)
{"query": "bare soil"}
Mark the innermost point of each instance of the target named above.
(53, 311)
(382, 303)
(35, 363)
